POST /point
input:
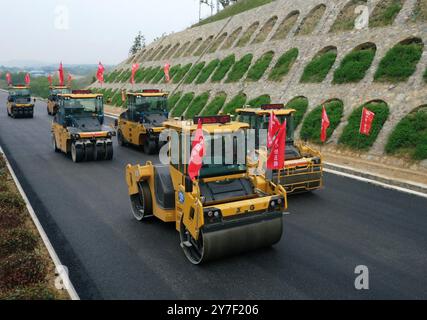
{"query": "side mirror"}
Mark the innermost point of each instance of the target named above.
(116, 123)
(34, 100)
(188, 184)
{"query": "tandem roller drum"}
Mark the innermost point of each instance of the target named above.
(234, 237)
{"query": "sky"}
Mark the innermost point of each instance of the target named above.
(86, 31)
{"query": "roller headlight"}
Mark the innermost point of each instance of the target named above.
(75, 136)
(212, 215)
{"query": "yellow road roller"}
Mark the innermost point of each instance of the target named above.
(141, 123)
(78, 127)
(303, 170)
(19, 103)
(225, 210)
(52, 100)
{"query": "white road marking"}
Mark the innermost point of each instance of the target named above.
(70, 288)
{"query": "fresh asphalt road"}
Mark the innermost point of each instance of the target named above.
(84, 208)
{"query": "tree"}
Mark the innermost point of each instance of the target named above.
(226, 3)
(138, 44)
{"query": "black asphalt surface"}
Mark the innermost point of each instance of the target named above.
(84, 209)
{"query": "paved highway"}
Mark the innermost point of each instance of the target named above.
(84, 209)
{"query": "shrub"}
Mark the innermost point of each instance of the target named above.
(207, 71)
(237, 102)
(243, 41)
(153, 72)
(33, 292)
(197, 105)
(215, 105)
(385, 13)
(159, 76)
(354, 66)
(181, 73)
(10, 199)
(173, 99)
(351, 136)
(300, 104)
(194, 72)
(223, 68)
(16, 240)
(182, 104)
(399, 63)
(21, 269)
(283, 65)
(312, 123)
(318, 68)
(257, 70)
(410, 135)
(174, 70)
(239, 68)
(259, 101)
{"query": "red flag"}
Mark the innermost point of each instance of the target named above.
(366, 121)
(166, 71)
(8, 79)
(135, 67)
(69, 79)
(123, 95)
(61, 74)
(273, 127)
(49, 78)
(276, 159)
(197, 153)
(27, 79)
(100, 73)
(325, 125)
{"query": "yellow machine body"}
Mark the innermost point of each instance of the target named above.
(19, 102)
(52, 100)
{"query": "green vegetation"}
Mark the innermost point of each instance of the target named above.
(265, 30)
(153, 72)
(310, 22)
(244, 39)
(318, 68)
(207, 71)
(346, 18)
(159, 76)
(239, 68)
(354, 66)
(312, 123)
(231, 39)
(286, 26)
(409, 137)
(385, 12)
(173, 99)
(232, 10)
(180, 74)
(194, 72)
(197, 105)
(300, 104)
(237, 102)
(259, 101)
(174, 70)
(351, 136)
(257, 70)
(215, 105)
(223, 68)
(25, 266)
(420, 11)
(283, 65)
(399, 63)
(182, 104)
(116, 99)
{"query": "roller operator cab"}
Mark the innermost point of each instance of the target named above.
(225, 210)
(19, 103)
(303, 165)
(78, 128)
(52, 100)
(142, 122)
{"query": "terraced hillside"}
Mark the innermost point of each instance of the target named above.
(303, 52)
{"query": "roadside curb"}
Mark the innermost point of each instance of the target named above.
(380, 179)
(53, 255)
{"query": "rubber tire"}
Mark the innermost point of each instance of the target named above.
(55, 148)
(120, 139)
(150, 147)
(193, 255)
(77, 154)
(47, 108)
(109, 152)
(99, 152)
(89, 152)
(144, 200)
